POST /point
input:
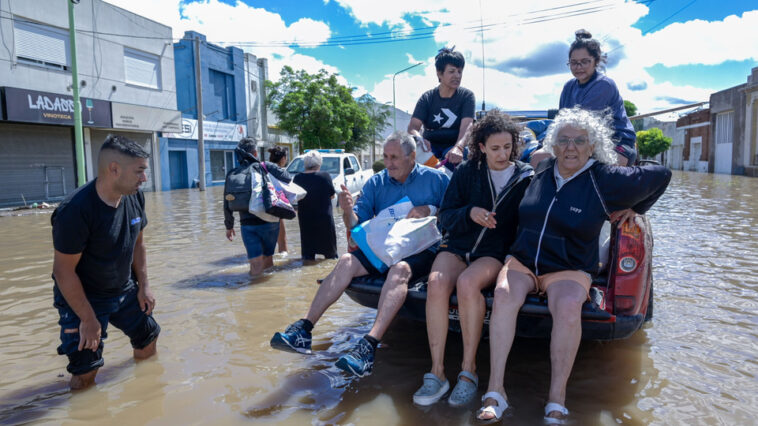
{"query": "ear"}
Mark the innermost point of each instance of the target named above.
(482, 147)
(114, 168)
(413, 156)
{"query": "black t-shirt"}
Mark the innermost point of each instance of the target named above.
(319, 186)
(442, 116)
(105, 236)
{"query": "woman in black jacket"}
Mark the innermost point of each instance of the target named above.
(556, 247)
(479, 214)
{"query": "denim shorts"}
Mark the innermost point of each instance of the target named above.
(260, 240)
(122, 311)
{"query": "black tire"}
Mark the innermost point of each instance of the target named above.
(649, 312)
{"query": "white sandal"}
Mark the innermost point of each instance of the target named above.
(552, 407)
(496, 410)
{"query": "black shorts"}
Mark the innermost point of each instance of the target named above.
(420, 263)
(122, 311)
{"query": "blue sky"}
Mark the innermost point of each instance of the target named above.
(661, 52)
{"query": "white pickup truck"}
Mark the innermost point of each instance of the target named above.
(343, 167)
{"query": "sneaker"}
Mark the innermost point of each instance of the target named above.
(294, 339)
(359, 361)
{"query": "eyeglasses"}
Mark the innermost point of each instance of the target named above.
(576, 64)
(580, 141)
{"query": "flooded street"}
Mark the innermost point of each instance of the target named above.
(695, 363)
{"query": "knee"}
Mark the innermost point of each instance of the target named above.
(467, 289)
(567, 310)
(399, 274)
(437, 288)
(504, 297)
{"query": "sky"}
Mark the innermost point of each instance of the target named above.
(661, 53)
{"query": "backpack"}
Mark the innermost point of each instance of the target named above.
(237, 188)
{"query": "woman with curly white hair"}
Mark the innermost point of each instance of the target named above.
(556, 248)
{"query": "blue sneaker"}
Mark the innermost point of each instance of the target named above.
(294, 339)
(359, 361)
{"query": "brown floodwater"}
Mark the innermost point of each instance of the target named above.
(695, 363)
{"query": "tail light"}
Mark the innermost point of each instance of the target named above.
(631, 253)
(631, 249)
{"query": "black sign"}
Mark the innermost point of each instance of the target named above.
(52, 108)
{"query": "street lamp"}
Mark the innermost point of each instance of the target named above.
(394, 110)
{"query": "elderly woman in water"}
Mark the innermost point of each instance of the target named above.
(556, 249)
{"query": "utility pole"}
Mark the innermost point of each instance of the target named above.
(81, 177)
(394, 109)
(199, 96)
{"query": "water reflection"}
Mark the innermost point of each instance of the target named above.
(694, 364)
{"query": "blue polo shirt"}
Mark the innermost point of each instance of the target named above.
(424, 186)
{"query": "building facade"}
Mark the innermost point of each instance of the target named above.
(224, 104)
(695, 129)
(751, 124)
(126, 83)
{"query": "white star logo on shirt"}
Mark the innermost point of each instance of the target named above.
(437, 118)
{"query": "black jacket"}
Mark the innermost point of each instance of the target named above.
(471, 186)
(246, 159)
(559, 229)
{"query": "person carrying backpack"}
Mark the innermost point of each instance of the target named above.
(258, 235)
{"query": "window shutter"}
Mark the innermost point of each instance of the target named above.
(141, 69)
(41, 43)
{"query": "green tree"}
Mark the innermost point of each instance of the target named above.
(378, 118)
(631, 108)
(316, 109)
(652, 142)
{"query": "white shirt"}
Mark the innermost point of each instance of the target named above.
(560, 181)
(501, 177)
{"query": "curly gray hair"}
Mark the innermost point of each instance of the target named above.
(597, 125)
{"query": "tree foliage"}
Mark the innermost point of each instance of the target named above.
(631, 108)
(652, 142)
(316, 109)
(378, 118)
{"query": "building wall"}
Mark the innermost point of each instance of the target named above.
(256, 72)
(100, 58)
(751, 124)
(228, 60)
(695, 126)
(732, 99)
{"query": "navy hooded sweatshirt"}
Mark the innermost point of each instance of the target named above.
(559, 229)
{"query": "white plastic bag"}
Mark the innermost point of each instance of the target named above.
(403, 238)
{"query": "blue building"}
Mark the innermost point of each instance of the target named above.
(222, 72)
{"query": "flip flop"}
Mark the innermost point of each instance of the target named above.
(552, 407)
(496, 410)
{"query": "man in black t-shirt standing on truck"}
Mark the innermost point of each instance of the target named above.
(99, 252)
(446, 111)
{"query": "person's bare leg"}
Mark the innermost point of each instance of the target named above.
(510, 292)
(472, 306)
(334, 285)
(445, 271)
(82, 381)
(268, 262)
(565, 299)
(256, 266)
(393, 294)
(146, 352)
(281, 241)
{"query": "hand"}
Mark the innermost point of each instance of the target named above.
(621, 160)
(89, 334)
(455, 155)
(230, 234)
(483, 217)
(623, 216)
(419, 212)
(346, 199)
(146, 299)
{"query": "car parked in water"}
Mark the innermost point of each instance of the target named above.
(343, 167)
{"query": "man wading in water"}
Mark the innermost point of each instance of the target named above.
(99, 250)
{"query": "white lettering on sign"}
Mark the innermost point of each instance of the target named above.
(44, 103)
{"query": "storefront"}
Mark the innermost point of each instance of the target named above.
(140, 124)
(37, 154)
(179, 156)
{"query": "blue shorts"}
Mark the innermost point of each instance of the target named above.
(260, 240)
(122, 311)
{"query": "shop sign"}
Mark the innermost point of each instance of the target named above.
(138, 117)
(212, 130)
(52, 108)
